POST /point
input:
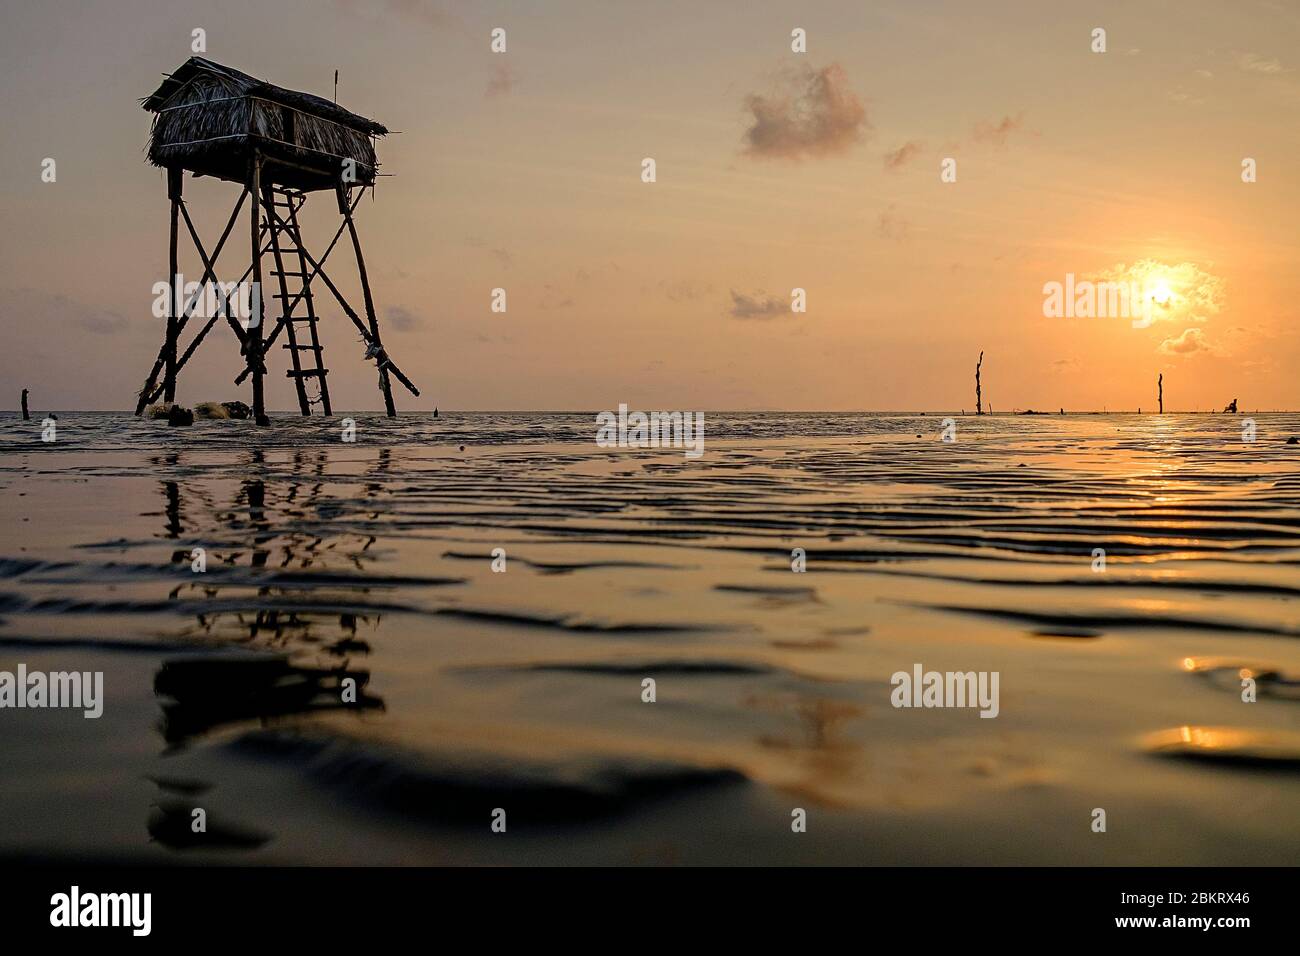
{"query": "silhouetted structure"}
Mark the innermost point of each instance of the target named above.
(280, 145)
(978, 409)
(1160, 384)
(26, 415)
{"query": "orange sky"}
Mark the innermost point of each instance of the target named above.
(775, 170)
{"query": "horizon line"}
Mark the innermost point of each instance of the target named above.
(293, 413)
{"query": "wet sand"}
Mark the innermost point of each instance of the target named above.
(523, 690)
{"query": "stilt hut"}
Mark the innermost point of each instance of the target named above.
(279, 145)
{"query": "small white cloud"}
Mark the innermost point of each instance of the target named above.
(757, 306)
(1190, 342)
(1257, 63)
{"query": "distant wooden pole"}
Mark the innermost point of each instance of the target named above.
(381, 358)
(979, 410)
(1160, 384)
(253, 343)
(175, 179)
(26, 415)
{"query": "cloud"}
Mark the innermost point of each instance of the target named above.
(1255, 63)
(996, 134)
(892, 226)
(502, 82)
(502, 255)
(553, 298)
(814, 114)
(401, 319)
(57, 314)
(1181, 95)
(757, 306)
(1191, 341)
(99, 321)
(898, 158)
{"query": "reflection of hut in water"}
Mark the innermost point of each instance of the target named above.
(276, 587)
(273, 539)
(279, 145)
(204, 691)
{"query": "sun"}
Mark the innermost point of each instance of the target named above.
(1161, 292)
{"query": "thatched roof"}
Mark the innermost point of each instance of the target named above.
(210, 118)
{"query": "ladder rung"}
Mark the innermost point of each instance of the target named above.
(306, 373)
(304, 348)
(287, 272)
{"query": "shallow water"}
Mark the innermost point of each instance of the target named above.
(522, 690)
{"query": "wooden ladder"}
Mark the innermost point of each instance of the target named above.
(297, 308)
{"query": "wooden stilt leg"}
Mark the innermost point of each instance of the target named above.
(174, 181)
(253, 343)
(151, 389)
(381, 359)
